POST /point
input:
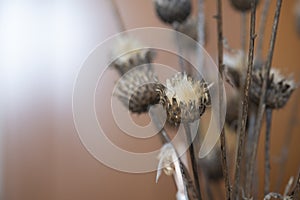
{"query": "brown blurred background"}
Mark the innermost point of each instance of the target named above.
(43, 44)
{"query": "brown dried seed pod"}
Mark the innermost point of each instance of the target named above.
(279, 89)
(130, 53)
(138, 90)
(170, 11)
(184, 99)
(242, 5)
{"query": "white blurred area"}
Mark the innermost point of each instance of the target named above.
(42, 46)
(43, 43)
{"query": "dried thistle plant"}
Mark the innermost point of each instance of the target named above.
(135, 54)
(184, 99)
(169, 162)
(242, 5)
(139, 89)
(279, 88)
(173, 11)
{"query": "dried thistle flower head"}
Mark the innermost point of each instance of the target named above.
(135, 54)
(279, 88)
(138, 89)
(184, 99)
(234, 67)
(242, 5)
(170, 11)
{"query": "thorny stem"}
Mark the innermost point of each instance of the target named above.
(193, 159)
(261, 105)
(221, 69)
(285, 147)
(262, 27)
(118, 15)
(242, 128)
(267, 150)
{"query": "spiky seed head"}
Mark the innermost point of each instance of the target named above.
(279, 88)
(184, 99)
(242, 5)
(170, 11)
(130, 53)
(138, 90)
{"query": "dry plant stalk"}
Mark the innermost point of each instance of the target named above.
(262, 26)
(221, 71)
(193, 159)
(296, 191)
(261, 106)
(287, 141)
(267, 150)
(242, 128)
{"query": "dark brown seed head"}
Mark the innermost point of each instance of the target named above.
(170, 11)
(242, 5)
(138, 90)
(130, 53)
(279, 89)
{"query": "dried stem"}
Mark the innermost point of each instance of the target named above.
(166, 139)
(180, 59)
(201, 33)
(118, 15)
(193, 159)
(251, 162)
(262, 27)
(243, 31)
(192, 192)
(293, 119)
(242, 128)
(201, 23)
(296, 191)
(221, 69)
(267, 150)
(261, 105)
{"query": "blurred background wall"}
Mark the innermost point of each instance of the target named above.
(42, 46)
